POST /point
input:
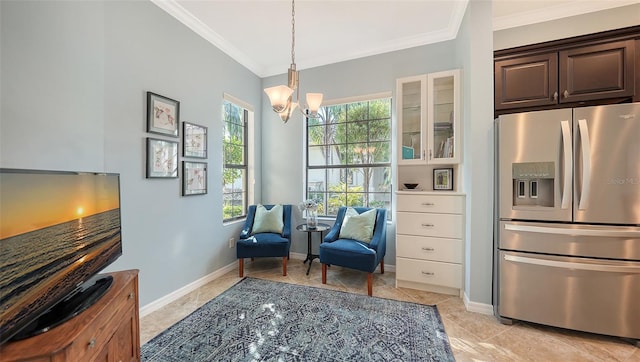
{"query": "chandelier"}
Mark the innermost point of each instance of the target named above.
(281, 97)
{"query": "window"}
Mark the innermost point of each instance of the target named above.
(234, 174)
(349, 156)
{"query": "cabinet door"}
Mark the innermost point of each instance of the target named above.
(443, 118)
(526, 81)
(123, 345)
(411, 112)
(597, 72)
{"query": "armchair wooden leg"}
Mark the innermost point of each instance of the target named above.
(370, 284)
(324, 273)
(382, 266)
(284, 266)
(241, 267)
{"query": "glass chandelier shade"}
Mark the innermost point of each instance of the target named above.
(279, 96)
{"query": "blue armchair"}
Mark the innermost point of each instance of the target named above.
(354, 254)
(264, 244)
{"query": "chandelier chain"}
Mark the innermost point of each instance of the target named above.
(293, 31)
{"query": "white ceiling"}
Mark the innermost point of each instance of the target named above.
(257, 33)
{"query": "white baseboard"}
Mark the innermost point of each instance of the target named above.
(477, 307)
(177, 294)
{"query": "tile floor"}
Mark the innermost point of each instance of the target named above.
(473, 336)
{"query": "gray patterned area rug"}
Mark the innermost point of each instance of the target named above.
(261, 320)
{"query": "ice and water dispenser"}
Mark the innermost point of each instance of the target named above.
(533, 183)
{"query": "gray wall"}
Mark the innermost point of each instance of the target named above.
(474, 49)
(74, 77)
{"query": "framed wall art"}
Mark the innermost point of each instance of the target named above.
(194, 143)
(163, 115)
(194, 178)
(443, 178)
(162, 158)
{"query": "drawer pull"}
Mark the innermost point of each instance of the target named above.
(428, 204)
(428, 273)
(131, 295)
(427, 225)
(92, 343)
(428, 249)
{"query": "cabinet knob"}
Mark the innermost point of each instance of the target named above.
(430, 154)
(555, 96)
(428, 249)
(565, 94)
(131, 295)
(92, 343)
(428, 273)
(427, 225)
(428, 204)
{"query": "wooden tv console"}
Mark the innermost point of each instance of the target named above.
(107, 331)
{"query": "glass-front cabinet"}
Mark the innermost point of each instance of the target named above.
(443, 117)
(428, 118)
(412, 115)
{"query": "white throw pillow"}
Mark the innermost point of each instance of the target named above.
(358, 226)
(268, 221)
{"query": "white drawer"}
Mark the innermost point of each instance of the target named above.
(429, 272)
(424, 224)
(428, 248)
(446, 204)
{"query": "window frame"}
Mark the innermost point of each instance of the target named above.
(348, 168)
(244, 166)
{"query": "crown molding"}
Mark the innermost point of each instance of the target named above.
(556, 12)
(449, 33)
(178, 12)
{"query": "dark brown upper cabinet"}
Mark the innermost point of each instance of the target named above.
(585, 70)
(597, 72)
(526, 81)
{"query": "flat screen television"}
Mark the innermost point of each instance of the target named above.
(58, 230)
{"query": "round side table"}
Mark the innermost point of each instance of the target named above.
(320, 228)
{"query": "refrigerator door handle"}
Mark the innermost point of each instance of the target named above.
(613, 233)
(568, 164)
(586, 164)
(576, 266)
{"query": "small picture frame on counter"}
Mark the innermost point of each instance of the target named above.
(443, 179)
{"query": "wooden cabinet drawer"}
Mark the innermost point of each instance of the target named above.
(429, 272)
(445, 204)
(93, 339)
(429, 248)
(423, 224)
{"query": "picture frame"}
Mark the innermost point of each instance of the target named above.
(163, 115)
(195, 140)
(194, 178)
(443, 179)
(162, 158)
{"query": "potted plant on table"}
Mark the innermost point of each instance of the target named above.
(311, 209)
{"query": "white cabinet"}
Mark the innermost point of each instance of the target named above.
(429, 241)
(428, 112)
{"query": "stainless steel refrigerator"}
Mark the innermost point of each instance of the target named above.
(568, 219)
